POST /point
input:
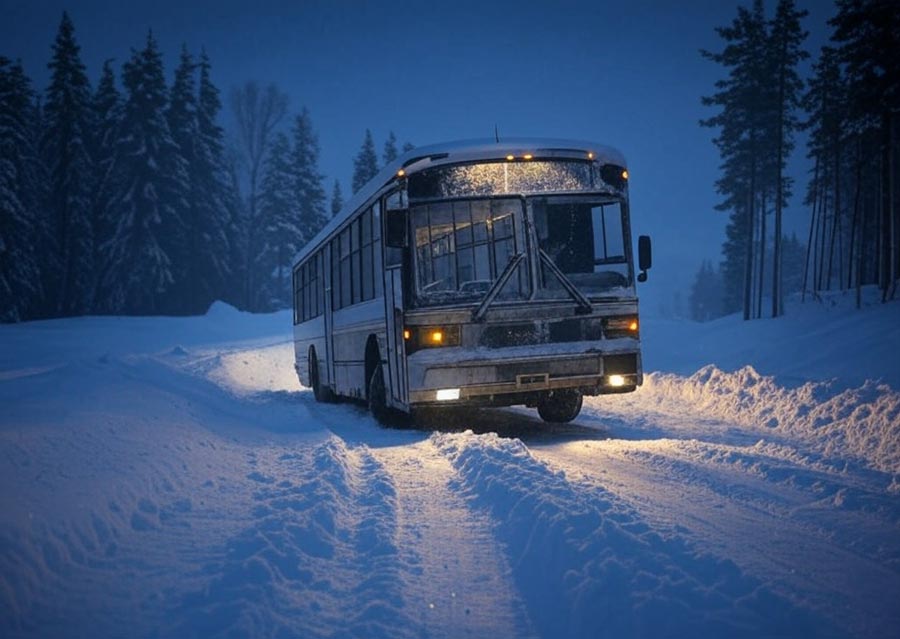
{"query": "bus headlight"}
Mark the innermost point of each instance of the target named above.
(418, 337)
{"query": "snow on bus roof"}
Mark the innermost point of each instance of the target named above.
(424, 157)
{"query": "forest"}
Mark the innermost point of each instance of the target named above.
(128, 196)
(847, 110)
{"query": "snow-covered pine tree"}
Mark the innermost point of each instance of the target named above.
(365, 165)
(309, 191)
(337, 199)
(150, 201)
(218, 194)
(106, 112)
(65, 148)
(236, 214)
(202, 267)
(278, 215)
(181, 116)
(390, 149)
(21, 222)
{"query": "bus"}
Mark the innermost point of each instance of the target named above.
(476, 273)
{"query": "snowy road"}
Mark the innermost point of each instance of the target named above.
(199, 491)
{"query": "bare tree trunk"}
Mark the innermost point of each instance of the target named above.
(748, 263)
(836, 222)
(823, 218)
(779, 194)
(812, 226)
(854, 224)
(892, 207)
(762, 257)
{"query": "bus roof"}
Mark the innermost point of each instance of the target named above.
(461, 151)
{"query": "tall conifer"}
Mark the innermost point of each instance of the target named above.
(21, 220)
(150, 204)
(66, 146)
(365, 165)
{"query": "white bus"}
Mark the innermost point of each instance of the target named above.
(478, 274)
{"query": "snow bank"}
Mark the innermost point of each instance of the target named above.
(862, 422)
(820, 339)
(590, 566)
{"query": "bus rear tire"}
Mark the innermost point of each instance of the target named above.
(378, 397)
(321, 393)
(560, 407)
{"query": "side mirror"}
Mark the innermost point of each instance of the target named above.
(395, 228)
(645, 257)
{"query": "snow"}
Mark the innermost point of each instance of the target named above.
(168, 477)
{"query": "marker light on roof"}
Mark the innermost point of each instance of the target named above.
(624, 175)
(527, 156)
(591, 155)
(510, 158)
(401, 173)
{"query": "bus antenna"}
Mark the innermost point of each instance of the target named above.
(496, 134)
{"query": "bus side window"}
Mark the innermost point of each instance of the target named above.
(377, 266)
(296, 285)
(335, 274)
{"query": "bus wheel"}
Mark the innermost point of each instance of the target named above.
(378, 396)
(321, 393)
(560, 406)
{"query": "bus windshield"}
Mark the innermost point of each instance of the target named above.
(585, 239)
(462, 248)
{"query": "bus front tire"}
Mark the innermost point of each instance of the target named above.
(560, 406)
(378, 396)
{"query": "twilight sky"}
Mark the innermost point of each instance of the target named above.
(626, 74)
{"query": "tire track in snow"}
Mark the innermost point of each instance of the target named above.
(317, 559)
(458, 581)
(816, 535)
(589, 565)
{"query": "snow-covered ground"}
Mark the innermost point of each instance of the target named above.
(168, 477)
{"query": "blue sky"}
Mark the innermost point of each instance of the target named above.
(627, 74)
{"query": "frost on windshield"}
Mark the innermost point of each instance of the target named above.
(461, 248)
(501, 178)
(586, 241)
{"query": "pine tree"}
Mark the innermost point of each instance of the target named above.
(21, 226)
(390, 149)
(337, 199)
(407, 147)
(218, 194)
(277, 221)
(868, 32)
(785, 46)
(106, 112)
(365, 166)
(308, 181)
(150, 202)
(746, 179)
(181, 117)
(65, 147)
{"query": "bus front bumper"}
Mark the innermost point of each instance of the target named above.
(496, 378)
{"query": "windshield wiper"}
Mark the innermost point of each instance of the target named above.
(584, 304)
(514, 261)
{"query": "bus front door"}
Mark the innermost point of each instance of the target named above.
(396, 349)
